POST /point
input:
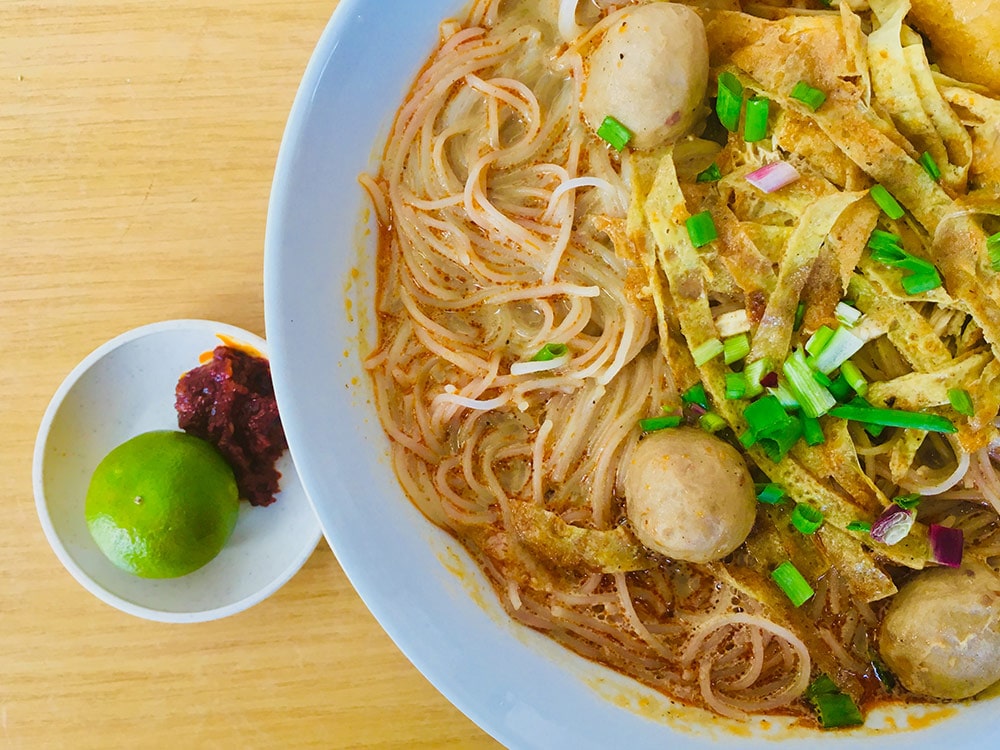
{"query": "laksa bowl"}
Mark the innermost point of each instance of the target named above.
(322, 269)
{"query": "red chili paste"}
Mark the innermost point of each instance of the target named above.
(229, 401)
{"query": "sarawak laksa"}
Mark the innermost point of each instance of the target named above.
(688, 328)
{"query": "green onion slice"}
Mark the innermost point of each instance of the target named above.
(549, 352)
(908, 502)
(707, 351)
(712, 174)
(755, 122)
(852, 374)
(814, 399)
(790, 580)
(770, 493)
(771, 426)
(800, 314)
(696, 395)
(614, 133)
(818, 341)
(754, 371)
(886, 202)
(961, 401)
(840, 388)
(659, 423)
(812, 431)
(918, 283)
(863, 526)
(736, 385)
(930, 166)
(847, 315)
(736, 348)
(711, 422)
(701, 229)
(837, 710)
(841, 347)
(911, 420)
(806, 519)
(993, 248)
(811, 97)
(729, 101)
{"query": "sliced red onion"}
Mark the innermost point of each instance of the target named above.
(773, 176)
(697, 409)
(893, 525)
(946, 545)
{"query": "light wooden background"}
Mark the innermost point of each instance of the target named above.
(137, 143)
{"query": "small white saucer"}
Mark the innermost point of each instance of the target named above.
(124, 388)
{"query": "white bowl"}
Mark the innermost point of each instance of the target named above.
(120, 390)
(418, 582)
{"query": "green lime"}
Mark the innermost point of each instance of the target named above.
(162, 504)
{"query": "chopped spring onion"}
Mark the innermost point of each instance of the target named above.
(886, 202)
(785, 396)
(706, 351)
(549, 352)
(908, 502)
(840, 388)
(893, 525)
(811, 97)
(993, 249)
(755, 122)
(770, 493)
(882, 672)
(711, 422)
(790, 580)
(946, 545)
(911, 420)
(848, 315)
(736, 385)
(696, 395)
(818, 341)
(736, 348)
(773, 176)
(659, 423)
(841, 347)
(800, 314)
(961, 401)
(614, 133)
(711, 174)
(753, 372)
(764, 414)
(918, 283)
(930, 166)
(852, 374)
(701, 229)
(896, 257)
(833, 707)
(806, 519)
(812, 431)
(886, 248)
(837, 710)
(771, 426)
(882, 240)
(729, 101)
(823, 380)
(862, 526)
(814, 398)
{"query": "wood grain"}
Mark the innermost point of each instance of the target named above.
(137, 143)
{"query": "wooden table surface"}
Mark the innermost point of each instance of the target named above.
(137, 143)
